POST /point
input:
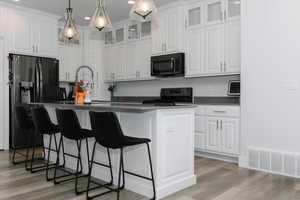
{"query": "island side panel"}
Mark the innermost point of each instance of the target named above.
(175, 141)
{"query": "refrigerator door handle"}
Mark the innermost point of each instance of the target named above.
(41, 80)
(37, 83)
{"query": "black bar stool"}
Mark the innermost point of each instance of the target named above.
(24, 121)
(71, 129)
(44, 126)
(108, 133)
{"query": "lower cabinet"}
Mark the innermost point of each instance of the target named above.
(217, 129)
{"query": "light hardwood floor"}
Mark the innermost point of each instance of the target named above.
(216, 181)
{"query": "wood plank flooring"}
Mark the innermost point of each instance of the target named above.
(216, 181)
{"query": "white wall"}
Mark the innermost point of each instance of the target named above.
(210, 86)
(271, 75)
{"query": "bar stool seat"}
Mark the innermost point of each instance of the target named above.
(109, 134)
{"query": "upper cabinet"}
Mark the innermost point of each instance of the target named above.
(213, 38)
(32, 33)
(167, 30)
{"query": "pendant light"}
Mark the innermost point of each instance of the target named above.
(143, 10)
(100, 19)
(70, 30)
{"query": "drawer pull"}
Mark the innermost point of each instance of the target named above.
(219, 111)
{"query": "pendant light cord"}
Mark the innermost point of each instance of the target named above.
(69, 4)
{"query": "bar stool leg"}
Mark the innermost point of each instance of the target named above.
(90, 172)
(152, 175)
(48, 159)
(57, 160)
(77, 168)
(120, 171)
(110, 167)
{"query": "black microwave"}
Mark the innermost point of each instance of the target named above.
(168, 65)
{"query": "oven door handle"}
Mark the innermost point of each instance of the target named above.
(173, 64)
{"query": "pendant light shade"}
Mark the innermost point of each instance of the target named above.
(70, 31)
(100, 19)
(143, 10)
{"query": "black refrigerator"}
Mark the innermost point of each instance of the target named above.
(32, 79)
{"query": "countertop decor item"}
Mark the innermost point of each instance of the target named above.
(100, 19)
(143, 10)
(70, 30)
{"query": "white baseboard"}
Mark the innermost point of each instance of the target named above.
(214, 156)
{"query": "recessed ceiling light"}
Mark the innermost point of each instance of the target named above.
(16, 0)
(87, 18)
(131, 2)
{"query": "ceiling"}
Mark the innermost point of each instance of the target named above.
(117, 9)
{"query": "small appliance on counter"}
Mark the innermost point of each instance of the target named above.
(234, 88)
(168, 65)
(172, 96)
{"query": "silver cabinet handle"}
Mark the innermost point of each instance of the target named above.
(221, 124)
(219, 111)
(225, 66)
(217, 124)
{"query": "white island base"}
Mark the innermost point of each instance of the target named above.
(172, 148)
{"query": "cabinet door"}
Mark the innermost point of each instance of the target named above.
(132, 60)
(145, 59)
(2, 21)
(45, 36)
(62, 56)
(22, 37)
(195, 51)
(232, 46)
(171, 31)
(108, 63)
(194, 15)
(213, 136)
(157, 37)
(215, 48)
(200, 132)
(214, 12)
(120, 63)
(229, 136)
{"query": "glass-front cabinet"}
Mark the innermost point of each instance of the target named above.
(233, 9)
(214, 12)
(145, 29)
(108, 37)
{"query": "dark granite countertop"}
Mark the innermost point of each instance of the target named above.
(115, 107)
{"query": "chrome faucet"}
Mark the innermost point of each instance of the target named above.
(85, 67)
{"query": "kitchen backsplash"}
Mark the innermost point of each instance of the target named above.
(209, 86)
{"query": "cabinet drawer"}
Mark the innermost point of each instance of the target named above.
(200, 110)
(229, 111)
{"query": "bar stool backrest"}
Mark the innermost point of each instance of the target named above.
(41, 120)
(107, 129)
(68, 123)
(24, 121)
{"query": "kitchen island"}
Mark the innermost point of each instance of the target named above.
(171, 130)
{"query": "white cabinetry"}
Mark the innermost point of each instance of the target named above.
(213, 38)
(70, 58)
(32, 33)
(167, 30)
(217, 129)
